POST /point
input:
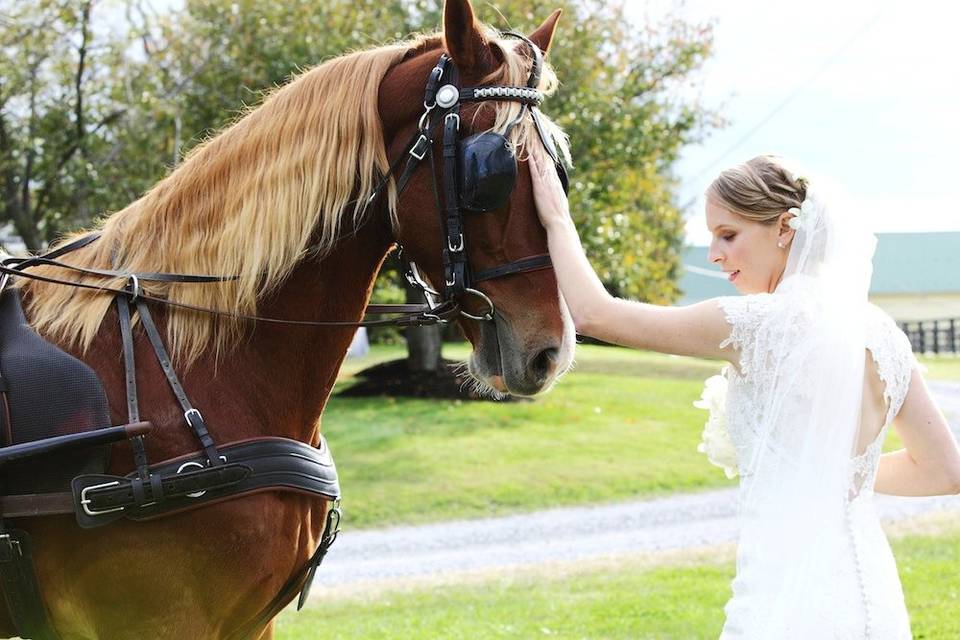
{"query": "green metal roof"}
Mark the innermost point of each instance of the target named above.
(903, 263)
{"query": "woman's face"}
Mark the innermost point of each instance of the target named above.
(747, 251)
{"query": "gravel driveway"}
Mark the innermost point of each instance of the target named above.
(684, 521)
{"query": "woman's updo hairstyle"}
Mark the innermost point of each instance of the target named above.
(760, 189)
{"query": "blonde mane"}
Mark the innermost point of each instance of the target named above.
(251, 202)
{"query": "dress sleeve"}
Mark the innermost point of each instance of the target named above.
(894, 358)
(746, 316)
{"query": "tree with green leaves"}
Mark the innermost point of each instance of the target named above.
(90, 119)
(56, 115)
(625, 102)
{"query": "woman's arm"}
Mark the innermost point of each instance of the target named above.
(930, 463)
(695, 330)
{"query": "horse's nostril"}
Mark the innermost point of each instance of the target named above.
(544, 362)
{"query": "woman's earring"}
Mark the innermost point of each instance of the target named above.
(780, 244)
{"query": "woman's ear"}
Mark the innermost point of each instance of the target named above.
(785, 232)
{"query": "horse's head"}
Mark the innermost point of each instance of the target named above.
(529, 340)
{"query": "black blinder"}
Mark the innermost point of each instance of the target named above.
(486, 171)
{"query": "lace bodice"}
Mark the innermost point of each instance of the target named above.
(887, 344)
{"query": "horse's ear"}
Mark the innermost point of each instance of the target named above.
(543, 35)
(462, 35)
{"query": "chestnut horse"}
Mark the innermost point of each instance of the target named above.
(277, 198)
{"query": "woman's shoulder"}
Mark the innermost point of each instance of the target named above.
(885, 337)
(780, 312)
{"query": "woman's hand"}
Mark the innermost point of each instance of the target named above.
(551, 201)
(697, 330)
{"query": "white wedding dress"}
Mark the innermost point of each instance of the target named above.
(860, 581)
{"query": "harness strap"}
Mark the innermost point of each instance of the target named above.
(37, 504)
(137, 443)
(454, 254)
(129, 361)
(433, 81)
(533, 263)
(417, 314)
(98, 495)
(421, 143)
(276, 464)
(20, 589)
(300, 581)
(79, 243)
(260, 464)
(190, 414)
(23, 263)
(409, 148)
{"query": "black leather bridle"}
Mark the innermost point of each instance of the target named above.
(482, 162)
(441, 106)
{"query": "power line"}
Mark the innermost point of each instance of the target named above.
(798, 89)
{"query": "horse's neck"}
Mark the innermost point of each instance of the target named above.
(277, 381)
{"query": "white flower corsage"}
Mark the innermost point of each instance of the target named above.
(802, 215)
(716, 442)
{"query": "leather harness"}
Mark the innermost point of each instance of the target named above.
(225, 471)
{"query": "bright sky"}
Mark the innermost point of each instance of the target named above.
(866, 92)
(872, 92)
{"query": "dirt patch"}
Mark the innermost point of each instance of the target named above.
(396, 379)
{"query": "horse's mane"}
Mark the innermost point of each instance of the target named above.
(251, 201)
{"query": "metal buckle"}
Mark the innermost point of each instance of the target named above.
(455, 116)
(426, 147)
(190, 464)
(424, 123)
(190, 412)
(459, 247)
(439, 71)
(431, 318)
(415, 278)
(133, 284)
(333, 521)
(84, 500)
(14, 543)
(480, 294)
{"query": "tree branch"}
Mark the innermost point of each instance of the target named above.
(28, 167)
(8, 173)
(82, 59)
(44, 194)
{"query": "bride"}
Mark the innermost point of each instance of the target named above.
(816, 375)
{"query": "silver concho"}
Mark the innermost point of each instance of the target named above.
(447, 96)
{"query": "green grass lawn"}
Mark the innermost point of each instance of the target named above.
(942, 367)
(620, 426)
(682, 602)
